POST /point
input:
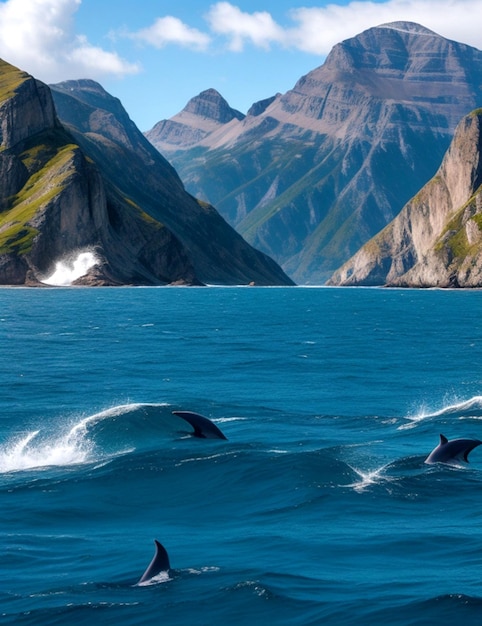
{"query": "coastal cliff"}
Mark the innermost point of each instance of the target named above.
(68, 189)
(436, 240)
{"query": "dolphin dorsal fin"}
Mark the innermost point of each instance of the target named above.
(443, 439)
(203, 427)
(159, 563)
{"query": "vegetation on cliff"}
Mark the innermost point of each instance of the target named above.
(436, 240)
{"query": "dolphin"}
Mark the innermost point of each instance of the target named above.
(160, 563)
(203, 427)
(454, 450)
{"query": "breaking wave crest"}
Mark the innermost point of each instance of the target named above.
(465, 409)
(34, 451)
(98, 437)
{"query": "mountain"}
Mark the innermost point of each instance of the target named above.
(91, 183)
(203, 115)
(436, 240)
(309, 176)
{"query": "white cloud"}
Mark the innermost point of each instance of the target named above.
(38, 36)
(319, 29)
(316, 30)
(259, 28)
(170, 30)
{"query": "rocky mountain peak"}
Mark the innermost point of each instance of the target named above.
(409, 27)
(85, 84)
(203, 115)
(210, 104)
(396, 50)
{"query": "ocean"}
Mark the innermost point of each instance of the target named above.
(317, 509)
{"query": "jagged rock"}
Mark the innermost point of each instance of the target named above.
(260, 107)
(436, 240)
(324, 167)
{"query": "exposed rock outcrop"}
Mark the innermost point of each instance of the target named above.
(26, 107)
(436, 240)
(258, 108)
(313, 175)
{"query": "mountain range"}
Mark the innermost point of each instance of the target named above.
(368, 172)
(311, 175)
(78, 176)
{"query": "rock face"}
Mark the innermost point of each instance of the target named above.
(311, 175)
(98, 186)
(436, 240)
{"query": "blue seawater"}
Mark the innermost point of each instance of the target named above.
(318, 509)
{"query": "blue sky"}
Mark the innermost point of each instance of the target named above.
(156, 54)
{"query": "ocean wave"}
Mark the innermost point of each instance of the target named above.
(443, 609)
(96, 438)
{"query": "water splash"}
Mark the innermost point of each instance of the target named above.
(464, 409)
(368, 478)
(113, 432)
(82, 428)
(159, 579)
(32, 451)
(71, 268)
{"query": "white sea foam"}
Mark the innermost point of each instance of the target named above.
(78, 442)
(223, 420)
(31, 451)
(162, 577)
(71, 268)
(464, 409)
(81, 428)
(97, 438)
(121, 414)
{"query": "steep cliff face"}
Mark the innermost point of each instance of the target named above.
(26, 107)
(54, 202)
(315, 173)
(63, 195)
(436, 240)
